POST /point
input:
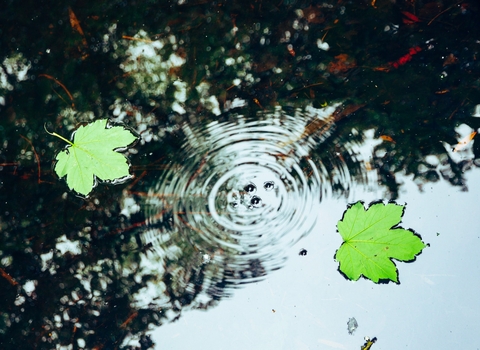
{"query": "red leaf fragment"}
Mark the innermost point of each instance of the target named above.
(407, 57)
(410, 18)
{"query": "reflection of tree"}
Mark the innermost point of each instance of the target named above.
(231, 51)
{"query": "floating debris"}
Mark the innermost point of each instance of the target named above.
(352, 325)
(302, 252)
(463, 143)
(368, 343)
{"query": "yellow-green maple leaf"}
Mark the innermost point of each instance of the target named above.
(371, 239)
(91, 155)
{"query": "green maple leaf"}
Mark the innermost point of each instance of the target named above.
(372, 239)
(91, 155)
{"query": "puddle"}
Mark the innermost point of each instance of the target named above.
(223, 195)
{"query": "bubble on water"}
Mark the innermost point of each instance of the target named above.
(269, 185)
(255, 201)
(250, 188)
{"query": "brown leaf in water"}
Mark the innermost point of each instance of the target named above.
(387, 138)
(341, 64)
(464, 142)
(450, 59)
(339, 114)
(345, 111)
(314, 126)
(8, 277)
(76, 26)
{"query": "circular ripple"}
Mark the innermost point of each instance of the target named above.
(243, 186)
(244, 189)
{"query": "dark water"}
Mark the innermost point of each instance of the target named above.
(259, 123)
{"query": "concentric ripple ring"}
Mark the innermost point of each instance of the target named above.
(246, 187)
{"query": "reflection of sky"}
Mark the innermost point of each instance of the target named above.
(435, 307)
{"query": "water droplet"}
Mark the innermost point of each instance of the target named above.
(269, 185)
(250, 188)
(255, 201)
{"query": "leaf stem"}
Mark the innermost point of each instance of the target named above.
(59, 136)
